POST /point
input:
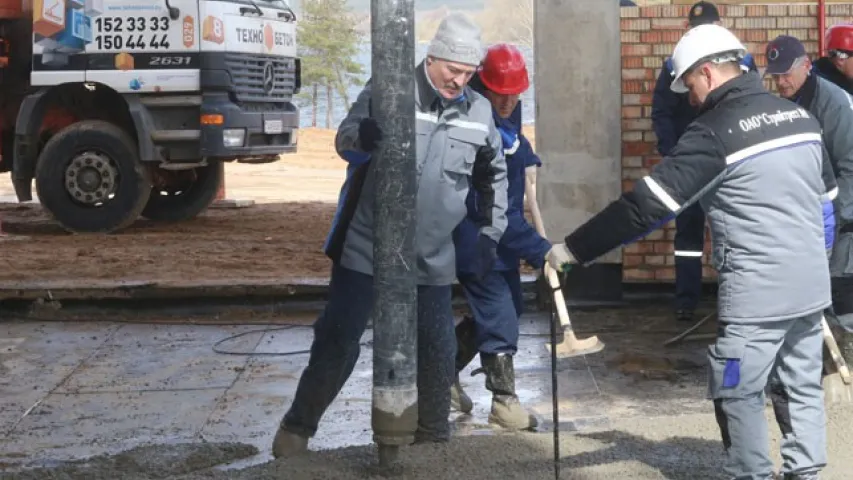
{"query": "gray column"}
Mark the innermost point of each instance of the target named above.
(578, 82)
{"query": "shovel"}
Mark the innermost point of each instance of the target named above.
(835, 352)
(570, 346)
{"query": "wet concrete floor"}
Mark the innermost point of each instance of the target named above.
(73, 390)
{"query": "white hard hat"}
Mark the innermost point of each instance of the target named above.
(705, 42)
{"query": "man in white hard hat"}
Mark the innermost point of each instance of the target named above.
(671, 114)
(754, 162)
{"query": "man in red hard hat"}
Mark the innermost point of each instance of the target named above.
(495, 299)
(837, 66)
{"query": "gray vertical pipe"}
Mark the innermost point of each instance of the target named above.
(395, 413)
(578, 126)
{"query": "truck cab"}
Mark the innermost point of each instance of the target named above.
(131, 107)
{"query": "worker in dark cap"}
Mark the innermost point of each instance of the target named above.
(703, 13)
(671, 113)
(791, 69)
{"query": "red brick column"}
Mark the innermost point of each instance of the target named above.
(649, 35)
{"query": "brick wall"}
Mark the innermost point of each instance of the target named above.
(649, 35)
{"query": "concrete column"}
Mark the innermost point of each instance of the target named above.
(578, 126)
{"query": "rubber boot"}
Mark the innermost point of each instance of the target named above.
(459, 400)
(507, 411)
(845, 345)
(288, 444)
(466, 350)
(684, 315)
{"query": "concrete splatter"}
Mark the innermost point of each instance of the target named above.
(143, 463)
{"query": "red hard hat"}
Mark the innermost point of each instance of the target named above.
(504, 71)
(840, 37)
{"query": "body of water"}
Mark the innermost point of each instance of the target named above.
(363, 57)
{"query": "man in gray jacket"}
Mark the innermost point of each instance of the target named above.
(755, 163)
(791, 69)
(457, 146)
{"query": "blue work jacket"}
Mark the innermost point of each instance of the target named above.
(520, 241)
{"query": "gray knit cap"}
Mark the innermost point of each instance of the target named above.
(457, 40)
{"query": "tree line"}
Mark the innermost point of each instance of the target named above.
(329, 41)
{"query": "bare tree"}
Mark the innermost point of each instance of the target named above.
(509, 21)
(523, 29)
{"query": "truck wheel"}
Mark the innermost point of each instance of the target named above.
(90, 179)
(184, 194)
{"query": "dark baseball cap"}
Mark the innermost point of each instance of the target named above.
(782, 52)
(702, 13)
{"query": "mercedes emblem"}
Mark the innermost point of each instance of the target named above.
(269, 77)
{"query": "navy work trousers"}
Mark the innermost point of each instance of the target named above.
(335, 350)
(496, 302)
(689, 243)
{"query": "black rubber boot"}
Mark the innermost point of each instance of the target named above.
(507, 411)
(466, 350)
(288, 444)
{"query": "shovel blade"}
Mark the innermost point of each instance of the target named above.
(573, 347)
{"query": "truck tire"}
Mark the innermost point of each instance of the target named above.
(89, 178)
(187, 197)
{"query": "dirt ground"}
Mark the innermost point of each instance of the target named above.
(264, 242)
(280, 237)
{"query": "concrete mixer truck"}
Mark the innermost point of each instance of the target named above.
(116, 109)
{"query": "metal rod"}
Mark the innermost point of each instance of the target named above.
(554, 394)
(394, 410)
(821, 27)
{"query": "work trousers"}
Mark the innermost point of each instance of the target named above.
(335, 350)
(841, 312)
(496, 302)
(689, 243)
(743, 359)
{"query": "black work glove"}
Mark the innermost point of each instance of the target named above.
(369, 134)
(487, 252)
(485, 154)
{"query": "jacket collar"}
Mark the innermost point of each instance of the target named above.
(512, 123)
(428, 98)
(740, 86)
(805, 95)
(826, 69)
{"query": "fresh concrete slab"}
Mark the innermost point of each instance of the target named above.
(636, 410)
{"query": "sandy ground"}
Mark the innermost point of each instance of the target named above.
(278, 238)
(264, 242)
